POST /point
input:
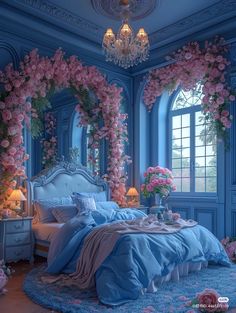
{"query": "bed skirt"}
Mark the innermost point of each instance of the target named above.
(179, 271)
(41, 248)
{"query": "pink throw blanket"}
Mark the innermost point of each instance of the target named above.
(101, 241)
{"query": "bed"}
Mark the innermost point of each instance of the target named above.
(121, 265)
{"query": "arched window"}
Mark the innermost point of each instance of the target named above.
(192, 157)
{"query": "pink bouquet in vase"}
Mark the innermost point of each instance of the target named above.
(158, 180)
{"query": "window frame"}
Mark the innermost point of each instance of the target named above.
(189, 110)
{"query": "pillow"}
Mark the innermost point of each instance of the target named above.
(84, 204)
(64, 213)
(44, 207)
(107, 205)
(97, 196)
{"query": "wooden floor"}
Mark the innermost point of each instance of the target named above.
(15, 300)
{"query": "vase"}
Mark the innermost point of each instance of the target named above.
(158, 201)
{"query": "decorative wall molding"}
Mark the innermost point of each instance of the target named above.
(206, 217)
(233, 223)
(55, 11)
(112, 9)
(11, 51)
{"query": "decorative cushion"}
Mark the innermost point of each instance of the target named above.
(84, 204)
(44, 208)
(97, 196)
(107, 205)
(64, 213)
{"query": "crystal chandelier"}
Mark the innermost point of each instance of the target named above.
(124, 49)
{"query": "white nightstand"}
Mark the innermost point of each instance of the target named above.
(16, 239)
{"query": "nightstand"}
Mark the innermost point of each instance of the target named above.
(16, 239)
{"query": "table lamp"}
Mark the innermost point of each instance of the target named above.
(17, 196)
(132, 197)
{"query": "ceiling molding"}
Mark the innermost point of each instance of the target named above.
(193, 23)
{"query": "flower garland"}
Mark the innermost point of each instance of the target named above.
(191, 66)
(25, 100)
(49, 143)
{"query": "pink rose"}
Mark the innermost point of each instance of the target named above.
(5, 143)
(208, 300)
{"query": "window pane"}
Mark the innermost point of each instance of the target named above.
(211, 171)
(185, 142)
(211, 161)
(185, 120)
(200, 151)
(185, 162)
(177, 133)
(200, 161)
(185, 184)
(186, 172)
(200, 184)
(185, 132)
(199, 130)
(211, 184)
(199, 118)
(176, 143)
(176, 172)
(199, 141)
(210, 150)
(176, 153)
(186, 152)
(200, 171)
(176, 121)
(177, 182)
(176, 163)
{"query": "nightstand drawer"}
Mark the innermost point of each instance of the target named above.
(17, 253)
(17, 239)
(18, 226)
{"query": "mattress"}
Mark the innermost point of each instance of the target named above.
(45, 231)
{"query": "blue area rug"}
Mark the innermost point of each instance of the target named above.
(64, 296)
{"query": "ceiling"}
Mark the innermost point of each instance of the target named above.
(162, 19)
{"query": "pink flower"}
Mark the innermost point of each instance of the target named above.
(5, 143)
(208, 300)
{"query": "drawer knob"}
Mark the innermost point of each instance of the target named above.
(18, 240)
(17, 226)
(18, 253)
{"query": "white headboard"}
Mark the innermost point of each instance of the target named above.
(61, 181)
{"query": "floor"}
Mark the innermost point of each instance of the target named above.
(15, 301)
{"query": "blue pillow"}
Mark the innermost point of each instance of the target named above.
(44, 208)
(97, 196)
(107, 205)
(64, 213)
(102, 216)
(84, 205)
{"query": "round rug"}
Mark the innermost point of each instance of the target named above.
(60, 293)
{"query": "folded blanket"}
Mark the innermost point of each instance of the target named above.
(101, 241)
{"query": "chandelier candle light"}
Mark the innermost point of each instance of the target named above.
(124, 49)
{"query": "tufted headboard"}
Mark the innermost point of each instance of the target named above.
(61, 181)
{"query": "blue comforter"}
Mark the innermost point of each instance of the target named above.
(136, 258)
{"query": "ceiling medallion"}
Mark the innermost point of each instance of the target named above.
(111, 8)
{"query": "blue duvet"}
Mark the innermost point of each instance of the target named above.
(136, 258)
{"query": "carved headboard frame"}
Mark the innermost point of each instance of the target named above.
(61, 181)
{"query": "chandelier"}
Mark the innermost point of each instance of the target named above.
(125, 49)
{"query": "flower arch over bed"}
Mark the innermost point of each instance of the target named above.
(25, 99)
(192, 65)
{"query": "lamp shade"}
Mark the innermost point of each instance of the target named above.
(132, 192)
(17, 195)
